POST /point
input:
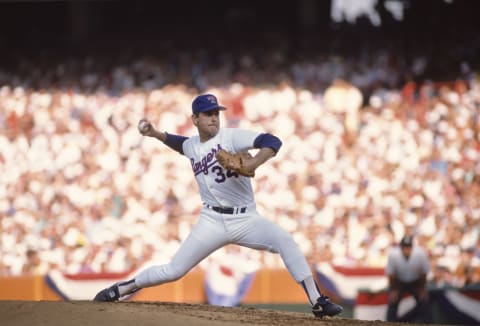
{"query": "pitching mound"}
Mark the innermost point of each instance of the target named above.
(76, 313)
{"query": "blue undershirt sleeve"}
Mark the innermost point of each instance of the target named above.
(175, 142)
(267, 140)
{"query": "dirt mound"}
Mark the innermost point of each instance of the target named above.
(85, 313)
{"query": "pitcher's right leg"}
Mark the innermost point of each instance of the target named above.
(206, 237)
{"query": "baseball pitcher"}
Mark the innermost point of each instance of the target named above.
(223, 170)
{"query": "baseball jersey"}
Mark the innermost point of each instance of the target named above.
(407, 270)
(217, 186)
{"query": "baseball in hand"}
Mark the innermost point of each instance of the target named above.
(143, 126)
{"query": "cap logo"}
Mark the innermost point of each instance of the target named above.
(212, 99)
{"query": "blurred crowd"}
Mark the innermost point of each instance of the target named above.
(369, 154)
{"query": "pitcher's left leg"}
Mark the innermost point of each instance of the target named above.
(259, 233)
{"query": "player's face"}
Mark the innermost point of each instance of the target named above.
(407, 250)
(207, 124)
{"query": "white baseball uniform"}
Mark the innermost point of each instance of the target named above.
(228, 216)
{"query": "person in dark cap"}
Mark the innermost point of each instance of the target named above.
(229, 214)
(407, 268)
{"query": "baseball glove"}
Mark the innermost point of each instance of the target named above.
(235, 162)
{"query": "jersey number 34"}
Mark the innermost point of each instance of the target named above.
(221, 175)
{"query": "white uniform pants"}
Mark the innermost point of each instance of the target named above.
(213, 231)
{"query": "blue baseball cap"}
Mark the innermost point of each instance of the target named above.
(206, 102)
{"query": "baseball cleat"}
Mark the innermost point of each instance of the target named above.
(324, 307)
(108, 295)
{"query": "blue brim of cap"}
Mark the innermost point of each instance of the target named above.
(220, 108)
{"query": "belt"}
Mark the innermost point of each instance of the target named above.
(227, 210)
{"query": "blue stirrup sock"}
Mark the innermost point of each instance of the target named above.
(311, 289)
(127, 287)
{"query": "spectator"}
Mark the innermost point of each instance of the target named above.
(34, 265)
